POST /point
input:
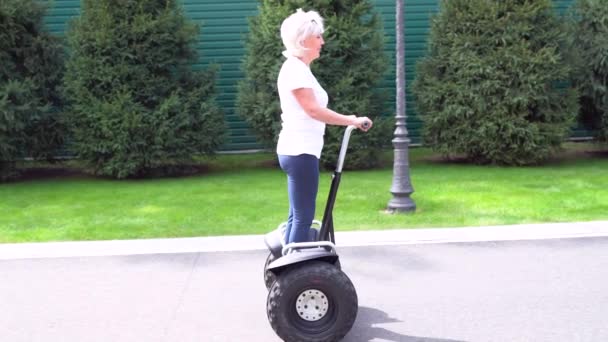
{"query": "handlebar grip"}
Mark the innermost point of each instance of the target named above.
(366, 124)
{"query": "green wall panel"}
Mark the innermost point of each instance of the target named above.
(224, 27)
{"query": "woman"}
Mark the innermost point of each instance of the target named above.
(305, 113)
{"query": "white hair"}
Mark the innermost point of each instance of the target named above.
(296, 28)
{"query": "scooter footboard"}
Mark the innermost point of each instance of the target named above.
(304, 255)
(275, 240)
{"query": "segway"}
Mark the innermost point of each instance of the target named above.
(310, 299)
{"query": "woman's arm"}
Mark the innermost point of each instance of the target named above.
(308, 102)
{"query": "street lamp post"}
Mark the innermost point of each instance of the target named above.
(401, 188)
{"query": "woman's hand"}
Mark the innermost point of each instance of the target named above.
(363, 123)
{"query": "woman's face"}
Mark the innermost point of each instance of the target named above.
(313, 44)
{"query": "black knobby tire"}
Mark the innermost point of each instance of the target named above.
(325, 278)
(269, 277)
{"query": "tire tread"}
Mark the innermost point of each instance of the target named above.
(322, 270)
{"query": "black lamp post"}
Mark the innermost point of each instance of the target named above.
(401, 188)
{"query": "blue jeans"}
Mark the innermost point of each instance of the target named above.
(302, 186)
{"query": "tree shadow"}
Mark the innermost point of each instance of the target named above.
(365, 329)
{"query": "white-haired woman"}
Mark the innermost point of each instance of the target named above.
(305, 113)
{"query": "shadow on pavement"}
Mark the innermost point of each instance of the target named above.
(365, 330)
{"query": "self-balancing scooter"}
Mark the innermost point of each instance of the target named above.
(310, 298)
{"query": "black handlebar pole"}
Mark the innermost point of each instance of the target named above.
(327, 226)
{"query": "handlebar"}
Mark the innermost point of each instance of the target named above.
(344, 147)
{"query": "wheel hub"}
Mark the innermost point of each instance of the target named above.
(312, 305)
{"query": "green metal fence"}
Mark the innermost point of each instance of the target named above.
(224, 26)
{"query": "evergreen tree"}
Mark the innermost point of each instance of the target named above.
(351, 65)
(135, 103)
(490, 86)
(589, 47)
(31, 67)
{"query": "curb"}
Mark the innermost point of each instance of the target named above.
(343, 238)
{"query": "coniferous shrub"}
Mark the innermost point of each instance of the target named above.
(351, 66)
(491, 87)
(589, 46)
(136, 105)
(31, 67)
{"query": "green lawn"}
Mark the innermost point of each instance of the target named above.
(246, 194)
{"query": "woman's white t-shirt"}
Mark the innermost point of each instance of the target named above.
(300, 133)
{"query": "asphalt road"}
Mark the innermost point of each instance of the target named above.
(543, 290)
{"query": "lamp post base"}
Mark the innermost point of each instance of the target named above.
(401, 204)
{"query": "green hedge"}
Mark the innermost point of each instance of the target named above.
(135, 104)
(351, 65)
(31, 67)
(491, 87)
(589, 47)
